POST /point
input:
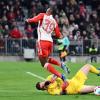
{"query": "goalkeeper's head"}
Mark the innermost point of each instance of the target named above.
(42, 85)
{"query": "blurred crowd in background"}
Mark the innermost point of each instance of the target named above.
(77, 19)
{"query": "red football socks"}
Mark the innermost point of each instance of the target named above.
(54, 61)
(51, 69)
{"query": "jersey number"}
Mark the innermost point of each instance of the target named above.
(48, 26)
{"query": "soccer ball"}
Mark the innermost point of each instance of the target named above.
(97, 91)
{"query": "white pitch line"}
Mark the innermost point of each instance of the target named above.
(37, 76)
(18, 91)
(15, 90)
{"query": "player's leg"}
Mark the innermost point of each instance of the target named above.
(52, 60)
(87, 89)
(95, 58)
(43, 54)
(58, 63)
(48, 66)
(81, 77)
(42, 60)
(89, 68)
(51, 69)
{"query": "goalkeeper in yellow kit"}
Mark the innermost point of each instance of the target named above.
(75, 85)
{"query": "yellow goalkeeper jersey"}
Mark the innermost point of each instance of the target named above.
(55, 87)
(75, 84)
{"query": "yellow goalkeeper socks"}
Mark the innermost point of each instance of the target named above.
(94, 70)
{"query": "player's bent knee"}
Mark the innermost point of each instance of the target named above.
(87, 65)
(46, 65)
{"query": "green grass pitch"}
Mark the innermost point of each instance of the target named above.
(16, 84)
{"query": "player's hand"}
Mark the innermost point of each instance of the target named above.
(26, 20)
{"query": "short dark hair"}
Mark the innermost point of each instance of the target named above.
(50, 9)
(38, 86)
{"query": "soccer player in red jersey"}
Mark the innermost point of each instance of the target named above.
(46, 26)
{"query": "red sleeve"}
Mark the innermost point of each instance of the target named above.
(57, 31)
(36, 18)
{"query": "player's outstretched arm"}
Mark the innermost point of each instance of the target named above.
(36, 18)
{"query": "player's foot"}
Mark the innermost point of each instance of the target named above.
(99, 73)
(65, 68)
(63, 77)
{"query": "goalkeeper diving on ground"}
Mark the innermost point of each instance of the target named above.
(75, 85)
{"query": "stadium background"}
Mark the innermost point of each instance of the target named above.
(78, 19)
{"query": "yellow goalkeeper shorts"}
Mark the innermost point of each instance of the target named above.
(76, 83)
